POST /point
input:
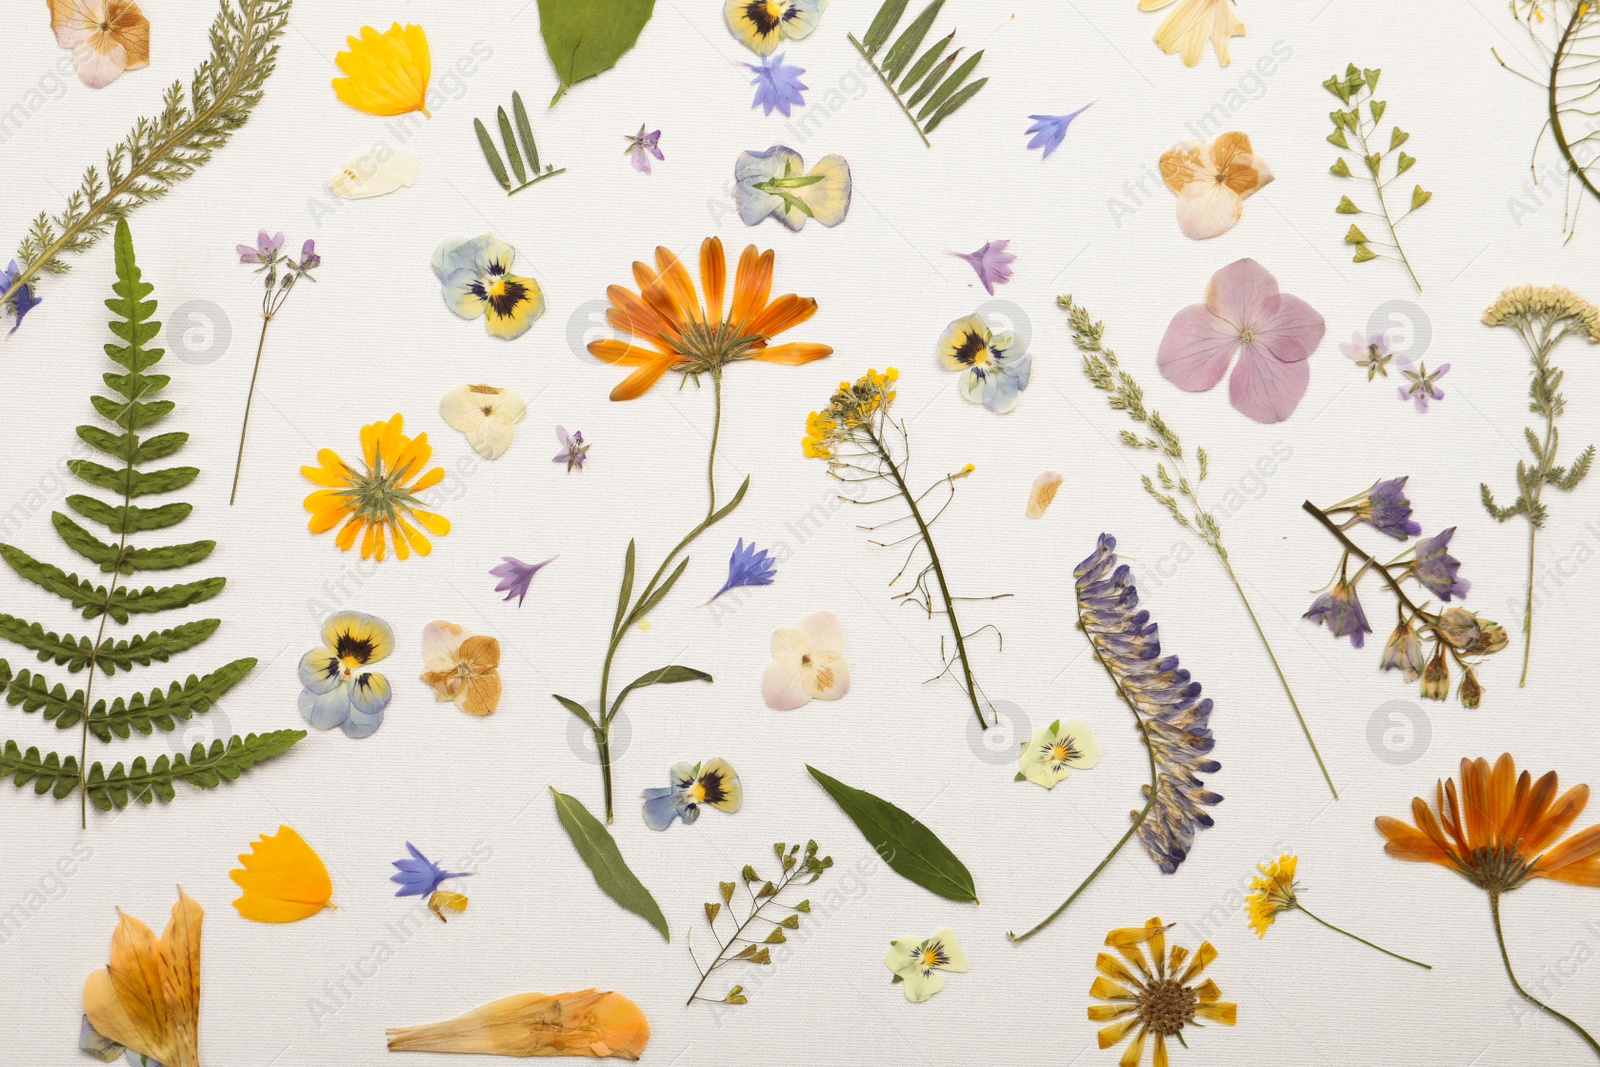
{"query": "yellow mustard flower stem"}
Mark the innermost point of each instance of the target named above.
(238, 463)
(1494, 909)
(1363, 940)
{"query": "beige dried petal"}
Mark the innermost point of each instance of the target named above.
(1044, 492)
(586, 1023)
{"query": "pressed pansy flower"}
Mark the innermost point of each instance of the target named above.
(487, 414)
(21, 301)
(419, 875)
(775, 184)
(778, 85)
(386, 73)
(1050, 130)
(574, 449)
(994, 368)
(1275, 891)
(1192, 23)
(1213, 180)
(1156, 999)
(641, 146)
(807, 663)
(713, 783)
(105, 37)
(1372, 352)
(1244, 313)
(916, 964)
(340, 689)
(461, 666)
(1421, 385)
(1052, 753)
(1437, 569)
(762, 24)
(992, 262)
(515, 576)
(380, 498)
(747, 566)
(1340, 609)
(477, 280)
(694, 339)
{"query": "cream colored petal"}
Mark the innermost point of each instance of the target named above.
(782, 685)
(1043, 494)
(826, 676)
(789, 644)
(822, 631)
(491, 437)
(366, 175)
(441, 642)
(1207, 208)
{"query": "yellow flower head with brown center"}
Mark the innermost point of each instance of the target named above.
(379, 500)
(1159, 997)
(1271, 893)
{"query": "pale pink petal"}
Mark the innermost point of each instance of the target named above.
(441, 641)
(823, 631)
(789, 645)
(782, 685)
(1240, 292)
(1288, 329)
(1207, 208)
(1195, 351)
(1266, 389)
(98, 70)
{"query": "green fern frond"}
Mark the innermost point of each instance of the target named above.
(118, 601)
(928, 82)
(161, 151)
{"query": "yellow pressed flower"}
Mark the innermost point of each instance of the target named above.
(283, 879)
(387, 72)
(1549, 303)
(381, 497)
(1157, 998)
(852, 406)
(1192, 23)
(584, 1023)
(441, 899)
(1271, 893)
(148, 997)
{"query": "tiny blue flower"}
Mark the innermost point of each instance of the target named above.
(22, 300)
(778, 86)
(420, 875)
(1050, 130)
(747, 566)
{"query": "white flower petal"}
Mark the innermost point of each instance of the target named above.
(782, 687)
(827, 676)
(368, 175)
(1207, 208)
(822, 632)
(441, 641)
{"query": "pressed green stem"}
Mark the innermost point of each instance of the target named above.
(1363, 940)
(886, 84)
(756, 907)
(938, 571)
(1527, 614)
(1155, 785)
(1494, 909)
(1366, 150)
(1284, 681)
(536, 181)
(238, 463)
(1554, 104)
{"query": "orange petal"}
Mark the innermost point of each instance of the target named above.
(347, 535)
(641, 380)
(676, 278)
(793, 354)
(620, 353)
(637, 317)
(1409, 843)
(481, 654)
(752, 285)
(786, 311)
(1579, 847)
(1555, 822)
(427, 481)
(327, 519)
(713, 276)
(481, 695)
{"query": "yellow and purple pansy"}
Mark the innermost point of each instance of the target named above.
(994, 367)
(477, 280)
(713, 782)
(776, 184)
(762, 24)
(340, 690)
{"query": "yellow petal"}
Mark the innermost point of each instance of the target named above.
(585, 1023)
(387, 73)
(148, 997)
(283, 879)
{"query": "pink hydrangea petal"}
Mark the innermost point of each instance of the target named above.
(1241, 291)
(1287, 329)
(1267, 389)
(1196, 348)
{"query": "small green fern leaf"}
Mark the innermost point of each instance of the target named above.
(163, 711)
(49, 774)
(928, 80)
(204, 768)
(31, 690)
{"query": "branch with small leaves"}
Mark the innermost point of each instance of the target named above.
(745, 945)
(928, 93)
(1356, 90)
(524, 135)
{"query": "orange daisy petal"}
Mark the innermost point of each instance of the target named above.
(752, 285)
(675, 276)
(620, 353)
(794, 353)
(786, 311)
(713, 276)
(641, 380)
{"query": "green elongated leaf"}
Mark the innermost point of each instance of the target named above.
(627, 587)
(906, 845)
(31, 690)
(83, 595)
(928, 59)
(586, 37)
(203, 768)
(131, 415)
(525, 131)
(49, 773)
(576, 708)
(953, 103)
(128, 518)
(900, 52)
(66, 650)
(1419, 196)
(136, 386)
(163, 710)
(722, 512)
(665, 676)
(85, 543)
(949, 86)
(131, 482)
(883, 24)
(509, 139)
(150, 599)
(935, 76)
(611, 873)
(492, 155)
(166, 557)
(648, 604)
(148, 648)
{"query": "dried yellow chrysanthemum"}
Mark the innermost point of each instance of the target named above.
(1554, 302)
(586, 1023)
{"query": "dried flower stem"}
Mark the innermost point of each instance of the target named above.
(1301, 907)
(250, 398)
(1500, 937)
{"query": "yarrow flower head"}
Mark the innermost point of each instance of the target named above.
(1156, 999)
(1552, 303)
(515, 576)
(1436, 568)
(641, 146)
(747, 566)
(1421, 386)
(419, 875)
(1340, 609)
(992, 262)
(778, 85)
(713, 783)
(994, 367)
(1050, 130)
(1372, 352)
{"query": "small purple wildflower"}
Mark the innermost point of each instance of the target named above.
(308, 255)
(515, 576)
(747, 566)
(1387, 509)
(1370, 352)
(778, 85)
(1050, 130)
(1340, 610)
(22, 301)
(1403, 651)
(574, 449)
(1436, 568)
(992, 262)
(265, 250)
(1421, 387)
(420, 875)
(641, 146)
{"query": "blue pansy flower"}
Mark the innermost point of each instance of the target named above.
(714, 782)
(339, 689)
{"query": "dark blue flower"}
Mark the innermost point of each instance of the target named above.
(515, 576)
(1387, 509)
(747, 566)
(1436, 568)
(778, 85)
(22, 300)
(1050, 130)
(1341, 611)
(420, 875)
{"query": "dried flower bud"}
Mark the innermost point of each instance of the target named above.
(1471, 692)
(1436, 676)
(1459, 627)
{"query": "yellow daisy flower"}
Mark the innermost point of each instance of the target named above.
(387, 72)
(382, 496)
(1271, 893)
(1160, 999)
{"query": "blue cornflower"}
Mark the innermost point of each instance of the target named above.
(420, 875)
(747, 566)
(23, 301)
(1436, 568)
(1051, 130)
(777, 84)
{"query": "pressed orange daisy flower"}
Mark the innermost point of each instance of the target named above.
(1159, 998)
(378, 502)
(1499, 832)
(694, 338)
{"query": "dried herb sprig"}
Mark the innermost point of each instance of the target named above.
(862, 442)
(798, 869)
(160, 152)
(528, 149)
(1176, 492)
(1542, 316)
(1356, 90)
(928, 81)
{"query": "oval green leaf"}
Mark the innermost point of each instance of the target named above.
(594, 843)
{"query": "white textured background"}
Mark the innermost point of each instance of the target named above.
(372, 338)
